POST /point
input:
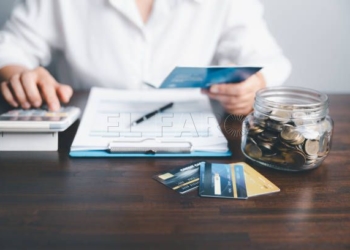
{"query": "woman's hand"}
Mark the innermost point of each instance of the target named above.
(238, 98)
(30, 88)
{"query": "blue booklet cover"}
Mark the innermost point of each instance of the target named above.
(197, 77)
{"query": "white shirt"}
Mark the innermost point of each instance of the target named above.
(105, 42)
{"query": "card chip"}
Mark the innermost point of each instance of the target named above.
(165, 176)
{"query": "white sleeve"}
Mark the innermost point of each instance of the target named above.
(29, 35)
(246, 40)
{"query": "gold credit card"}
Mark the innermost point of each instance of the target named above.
(256, 183)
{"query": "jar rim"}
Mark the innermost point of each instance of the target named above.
(322, 99)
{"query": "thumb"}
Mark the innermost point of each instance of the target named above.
(64, 92)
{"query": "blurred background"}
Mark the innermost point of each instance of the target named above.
(314, 34)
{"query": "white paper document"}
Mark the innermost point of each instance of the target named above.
(109, 114)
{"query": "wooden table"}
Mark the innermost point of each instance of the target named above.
(49, 200)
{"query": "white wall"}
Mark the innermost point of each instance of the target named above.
(315, 35)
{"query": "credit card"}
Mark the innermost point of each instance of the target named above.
(222, 181)
(204, 77)
(256, 183)
(182, 179)
(235, 181)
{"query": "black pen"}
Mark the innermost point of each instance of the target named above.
(149, 115)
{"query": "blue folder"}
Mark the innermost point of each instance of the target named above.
(107, 154)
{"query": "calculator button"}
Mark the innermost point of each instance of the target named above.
(12, 113)
(56, 114)
(25, 113)
(39, 112)
(8, 115)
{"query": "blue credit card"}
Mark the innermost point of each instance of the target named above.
(204, 77)
(181, 179)
(222, 181)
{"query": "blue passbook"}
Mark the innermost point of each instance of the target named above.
(197, 77)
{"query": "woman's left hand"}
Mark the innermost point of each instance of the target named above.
(237, 98)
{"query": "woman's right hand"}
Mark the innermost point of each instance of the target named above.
(32, 88)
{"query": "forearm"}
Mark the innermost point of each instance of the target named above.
(8, 71)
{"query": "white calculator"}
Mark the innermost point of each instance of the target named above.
(38, 120)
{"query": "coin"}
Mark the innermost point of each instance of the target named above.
(298, 122)
(298, 140)
(311, 159)
(311, 147)
(253, 150)
(269, 135)
(274, 125)
(280, 116)
(286, 145)
(255, 130)
(327, 125)
(300, 147)
(262, 138)
(256, 125)
(294, 159)
(266, 145)
(298, 115)
(309, 132)
(269, 153)
(252, 141)
(280, 147)
(323, 145)
(289, 133)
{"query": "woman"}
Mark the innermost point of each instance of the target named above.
(124, 43)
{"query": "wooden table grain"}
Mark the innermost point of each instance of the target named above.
(51, 201)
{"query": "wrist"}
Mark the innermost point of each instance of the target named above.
(8, 71)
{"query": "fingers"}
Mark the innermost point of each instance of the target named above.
(29, 82)
(52, 91)
(228, 89)
(31, 88)
(6, 92)
(18, 91)
(48, 86)
(237, 98)
(235, 105)
(252, 84)
(64, 93)
(232, 100)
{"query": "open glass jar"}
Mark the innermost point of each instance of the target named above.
(289, 129)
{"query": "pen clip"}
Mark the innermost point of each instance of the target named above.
(150, 146)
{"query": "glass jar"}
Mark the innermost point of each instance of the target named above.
(289, 129)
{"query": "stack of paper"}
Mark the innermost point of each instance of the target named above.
(109, 114)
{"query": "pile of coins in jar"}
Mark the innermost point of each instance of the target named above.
(284, 142)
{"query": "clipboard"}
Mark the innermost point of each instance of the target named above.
(106, 154)
(148, 148)
(105, 129)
